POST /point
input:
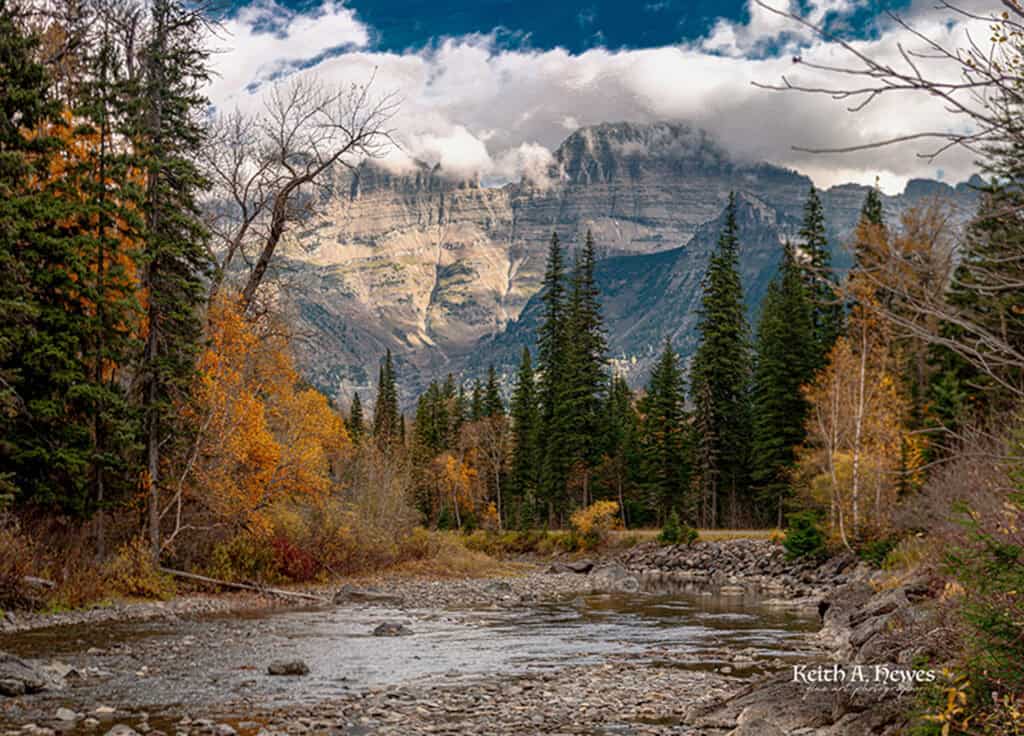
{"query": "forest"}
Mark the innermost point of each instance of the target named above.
(152, 415)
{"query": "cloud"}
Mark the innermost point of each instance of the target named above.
(265, 39)
(480, 108)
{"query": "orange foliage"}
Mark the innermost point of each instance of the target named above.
(74, 174)
(262, 439)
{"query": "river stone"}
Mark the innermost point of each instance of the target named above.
(392, 628)
(349, 594)
(288, 668)
(18, 676)
(66, 714)
(122, 730)
(613, 578)
(498, 587)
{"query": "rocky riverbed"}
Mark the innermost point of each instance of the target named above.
(656, 640)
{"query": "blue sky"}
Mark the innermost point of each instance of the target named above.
(402, 25)
(490, 87)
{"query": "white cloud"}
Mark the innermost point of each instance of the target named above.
(265, 39)
(481, 109)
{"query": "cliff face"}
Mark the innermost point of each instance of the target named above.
(440, 271)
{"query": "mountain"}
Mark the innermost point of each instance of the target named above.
(442, 270)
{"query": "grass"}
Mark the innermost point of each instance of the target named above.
(448, 557)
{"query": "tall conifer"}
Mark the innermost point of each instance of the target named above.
(388, 428)
(819, 277)
(720, 380)
(786, 355)
(168, 136)
(525, 413)
(664, 441)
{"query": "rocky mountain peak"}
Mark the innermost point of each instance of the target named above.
(604, 152)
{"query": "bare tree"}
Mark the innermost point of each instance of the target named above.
(262, 164)
(986, 90)
(986, 94)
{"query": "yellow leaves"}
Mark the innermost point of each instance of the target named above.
(597, 518)
(262, 439)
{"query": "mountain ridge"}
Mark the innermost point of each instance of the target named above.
(437, 268)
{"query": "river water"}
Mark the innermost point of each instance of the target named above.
(192, 664)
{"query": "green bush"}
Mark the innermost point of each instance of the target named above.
(990, 567)
(804, 538)
(875, 551)
(675, 532)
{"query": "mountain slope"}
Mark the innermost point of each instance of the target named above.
(434, 268)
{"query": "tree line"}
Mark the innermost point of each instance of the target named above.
(716, 444)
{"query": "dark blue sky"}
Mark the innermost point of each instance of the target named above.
(411, 24)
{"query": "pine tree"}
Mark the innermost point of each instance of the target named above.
(492, 403)
(720, 379)
(551, 358)
(786, 355)
(168, 137)
(355, 424)
(388, 429)
(584, 379)
(69, 228)
(819, 277)
(871, 211)
(664, 442)
(476, 402)
(621, 452)
(525, 412)
(29, 248)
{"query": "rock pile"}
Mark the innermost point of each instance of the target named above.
(739, 566)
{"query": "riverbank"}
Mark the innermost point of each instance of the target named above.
(197, 664)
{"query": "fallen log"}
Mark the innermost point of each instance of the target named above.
(244, 586)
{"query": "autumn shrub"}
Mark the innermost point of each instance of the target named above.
(132, 572)
(804, 538)
(16, 562)
(242, 557)
(593, 523)
(909, 553)
(973, 508)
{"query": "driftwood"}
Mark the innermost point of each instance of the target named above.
(244, 586)
(38, 582)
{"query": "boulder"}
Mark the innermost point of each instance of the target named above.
(581, 567)
(392, 628)
(350, 594)
(19, 676)
(613, 578)
(288, 668)
(122, 730)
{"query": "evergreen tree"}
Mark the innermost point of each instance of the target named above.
(786, 355)
(168, 137)
(355, 424)
(664, 442)
(551, 355)
(492, 403)
(31, 406)
(476, 402)
(525, 412)
(621, 452)
(720, 379)
(871, 211)
(819, 277)
(69, 230)
(388, 428)
(584, 380)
